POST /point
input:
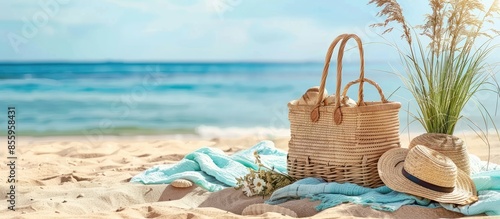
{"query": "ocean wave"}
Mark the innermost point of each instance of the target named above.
(202, 132)
(28, 81)
(234, 132)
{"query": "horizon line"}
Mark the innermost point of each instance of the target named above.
(55, 62)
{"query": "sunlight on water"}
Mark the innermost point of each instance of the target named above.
(205, 99)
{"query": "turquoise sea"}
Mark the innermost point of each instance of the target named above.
(205, 99)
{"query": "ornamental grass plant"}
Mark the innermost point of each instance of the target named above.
(444, 74)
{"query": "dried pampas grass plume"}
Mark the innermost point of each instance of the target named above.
(394, 13)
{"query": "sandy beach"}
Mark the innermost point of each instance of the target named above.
(62, 177)
(95, 93)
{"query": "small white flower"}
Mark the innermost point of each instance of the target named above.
(259, 185)
(246, 189)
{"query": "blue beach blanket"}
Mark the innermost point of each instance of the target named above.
(213, 170)
(333, 194)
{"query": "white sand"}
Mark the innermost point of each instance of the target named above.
(68, 177)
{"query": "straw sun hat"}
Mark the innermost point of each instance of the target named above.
(424, 172)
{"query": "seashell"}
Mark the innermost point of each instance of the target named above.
(258, 209)
(311, 96)
(330, 100)
(181, 183)
(346, 101)
(294, 102)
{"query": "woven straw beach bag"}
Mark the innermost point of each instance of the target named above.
(339, 143)
(449, 145)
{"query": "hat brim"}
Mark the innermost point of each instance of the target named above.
(390, 166)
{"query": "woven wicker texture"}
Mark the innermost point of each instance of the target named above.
(340, 143)
(449, 145)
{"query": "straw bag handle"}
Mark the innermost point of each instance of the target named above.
(337, 112)
(380, 92)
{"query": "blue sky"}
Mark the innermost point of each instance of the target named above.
(188, 30)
